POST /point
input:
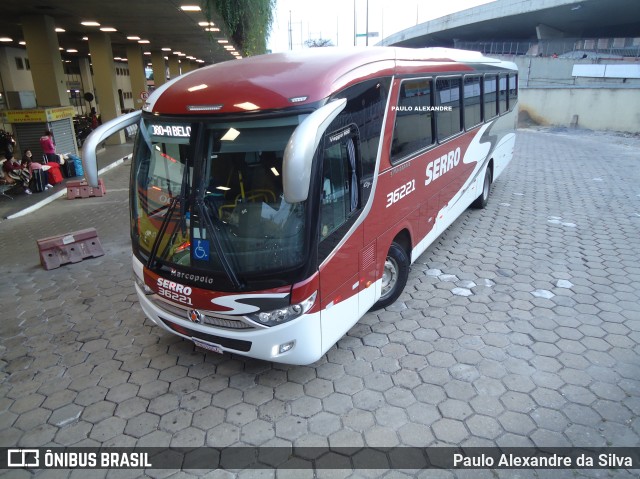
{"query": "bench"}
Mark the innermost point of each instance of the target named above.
(5, 182)
(4, 187)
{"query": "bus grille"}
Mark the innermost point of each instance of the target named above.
(209, 318)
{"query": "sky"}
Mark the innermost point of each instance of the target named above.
(334, 19)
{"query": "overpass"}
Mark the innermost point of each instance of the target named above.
(562, 49)
(526, 20)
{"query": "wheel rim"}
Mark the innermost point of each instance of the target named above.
(486, 187)
(389, 276)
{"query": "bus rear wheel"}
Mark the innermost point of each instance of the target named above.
(394, 275)
(481, 201)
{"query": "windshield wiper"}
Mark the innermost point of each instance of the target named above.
(212, 229)
(184, 186)
(161, 231)
(213, 232)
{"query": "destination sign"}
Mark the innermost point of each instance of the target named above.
(180, 131)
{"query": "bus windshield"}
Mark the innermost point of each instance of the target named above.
(208, 198)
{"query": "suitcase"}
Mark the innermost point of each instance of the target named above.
(77, 162)
(53, 174)
(38, 181)
(68, 169)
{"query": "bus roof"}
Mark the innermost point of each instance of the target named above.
(282, 80)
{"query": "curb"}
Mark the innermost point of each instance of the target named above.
(63, 192)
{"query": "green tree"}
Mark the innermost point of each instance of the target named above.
(247, 21)
(320, 42)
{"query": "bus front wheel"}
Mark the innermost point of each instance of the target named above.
(394, 275)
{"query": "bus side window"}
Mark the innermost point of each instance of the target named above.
(448, 96)
(413, 129)
(503, 94)
(513, 90)
(340, 189)
(472, 102)
(490, 98)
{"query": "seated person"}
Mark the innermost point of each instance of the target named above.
(14, 170)
(30, 165)
(4, 178)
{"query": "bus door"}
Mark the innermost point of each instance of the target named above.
(338, 254)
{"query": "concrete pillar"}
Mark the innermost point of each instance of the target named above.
(87, 80)
(159, 68)
(545, 32)
(46, 63)
(174, 66)
(187, 66)
(136, 74)
(104, 78)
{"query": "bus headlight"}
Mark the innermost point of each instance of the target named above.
(283, 315)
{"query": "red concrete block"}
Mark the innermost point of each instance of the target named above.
(69, 248)
(81, 189)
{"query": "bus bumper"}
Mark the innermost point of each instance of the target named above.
(302, 335)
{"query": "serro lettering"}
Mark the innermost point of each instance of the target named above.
(172, 286)
(440, 166)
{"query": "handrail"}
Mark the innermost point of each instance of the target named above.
(104, 131)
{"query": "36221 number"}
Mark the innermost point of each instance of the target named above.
(399, 193)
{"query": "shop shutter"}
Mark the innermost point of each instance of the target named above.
(28, 137)
(63, 136)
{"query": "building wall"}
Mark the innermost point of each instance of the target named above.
(123, 83)
(550, 95)
(14, 78)
(551, 72)
(556, 72)
(615, 109)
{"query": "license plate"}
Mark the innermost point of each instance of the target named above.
(207, 346)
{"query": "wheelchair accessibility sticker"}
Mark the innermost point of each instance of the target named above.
(201, 249)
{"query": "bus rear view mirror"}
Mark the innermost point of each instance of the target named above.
(298, 155)
(104, 131)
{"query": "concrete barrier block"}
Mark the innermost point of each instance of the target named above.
(81, 189)
(69, 248)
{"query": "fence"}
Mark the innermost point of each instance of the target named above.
(613, 48)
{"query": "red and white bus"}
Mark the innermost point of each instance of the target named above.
(277, 199)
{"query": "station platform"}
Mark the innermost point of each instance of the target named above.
(20, 203)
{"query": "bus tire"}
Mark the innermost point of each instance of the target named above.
(394, 276)
(481, 201)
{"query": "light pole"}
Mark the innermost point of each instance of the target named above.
(367, 37)
(290, 32)
(355, 25)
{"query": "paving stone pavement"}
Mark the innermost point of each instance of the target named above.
(520, 326)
